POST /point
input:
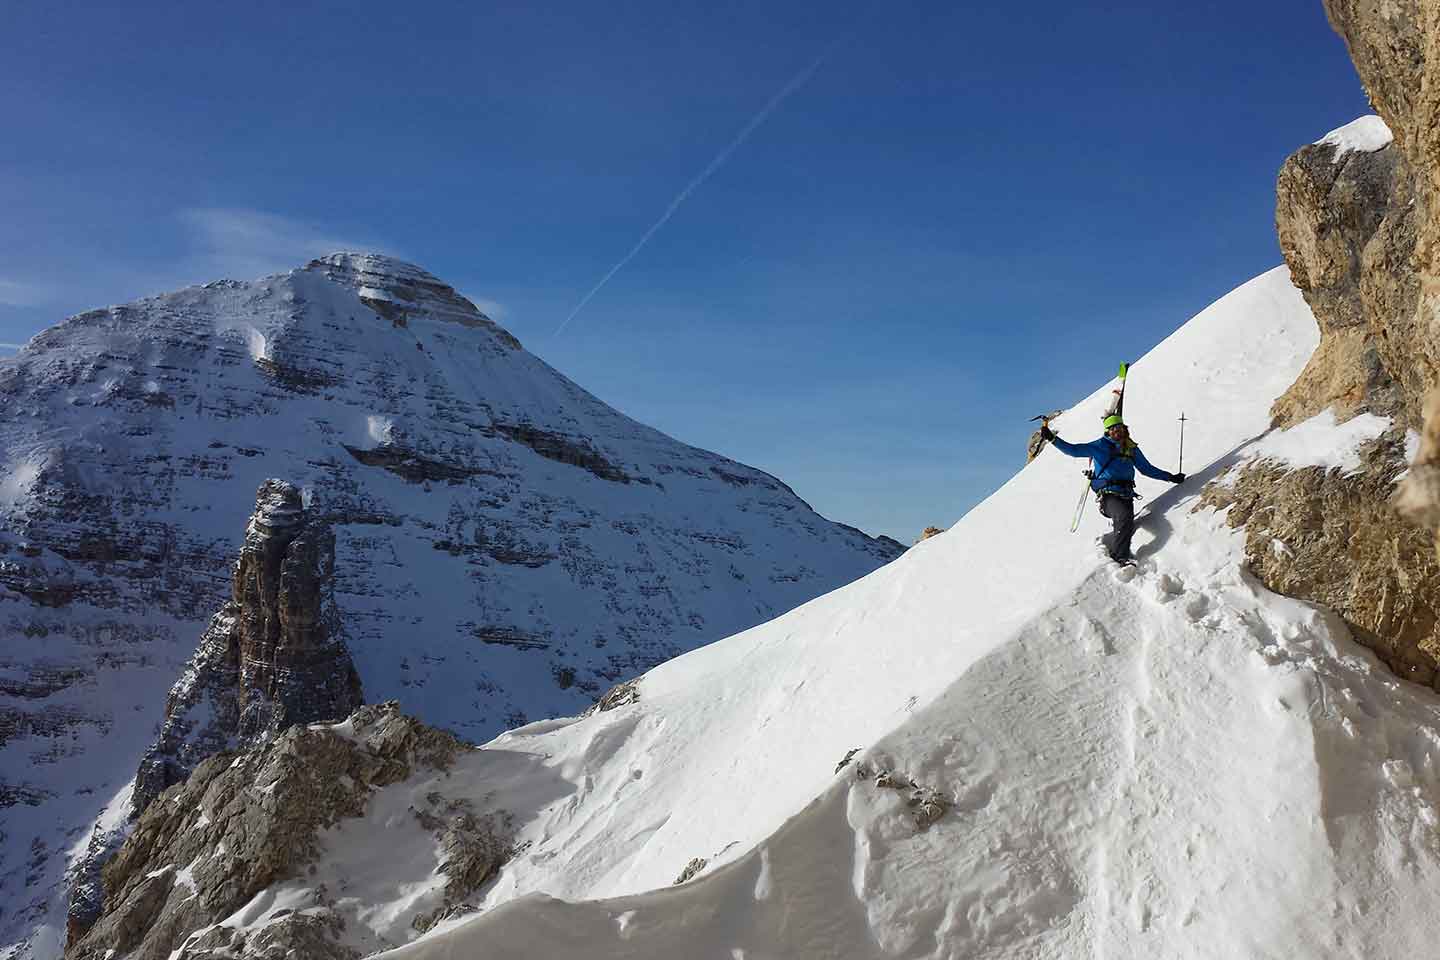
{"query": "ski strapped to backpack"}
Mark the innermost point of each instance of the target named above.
(1116, 409)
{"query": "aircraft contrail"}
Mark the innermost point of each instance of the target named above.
(796, 82)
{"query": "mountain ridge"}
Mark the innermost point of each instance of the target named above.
(1036, 755)
(506, 545)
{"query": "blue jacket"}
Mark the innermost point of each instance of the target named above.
(1114, 468)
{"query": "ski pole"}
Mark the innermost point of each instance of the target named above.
(1181, 467)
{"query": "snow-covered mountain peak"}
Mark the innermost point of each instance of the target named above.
(373, 269)
(397, 290)
(507, 546)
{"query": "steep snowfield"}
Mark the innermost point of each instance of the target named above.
(1161, 762)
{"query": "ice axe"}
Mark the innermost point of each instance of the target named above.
(1181, 467)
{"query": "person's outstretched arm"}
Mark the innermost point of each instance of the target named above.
(1091, 449)
(1154, 472)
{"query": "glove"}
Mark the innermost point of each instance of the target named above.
(1177, 478)
(1046, 433)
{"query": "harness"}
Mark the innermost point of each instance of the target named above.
(1120, 487)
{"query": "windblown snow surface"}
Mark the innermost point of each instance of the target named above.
(1164, 761)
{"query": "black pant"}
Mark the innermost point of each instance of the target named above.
(1121, 511)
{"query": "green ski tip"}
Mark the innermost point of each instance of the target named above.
(1124, 369)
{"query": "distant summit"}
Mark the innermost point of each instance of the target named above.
(507, 547)
(394, 288)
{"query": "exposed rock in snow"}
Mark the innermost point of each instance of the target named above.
(1328, 534)
(1396, 50)
(692, 870)
(246, 822)
(1388, 43)
(272, 657)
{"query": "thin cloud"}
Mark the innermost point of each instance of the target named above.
(207, 243)
(241, 243)
(493, 309)
(16, 293)
(796, 82)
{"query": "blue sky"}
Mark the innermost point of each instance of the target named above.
(964, 216)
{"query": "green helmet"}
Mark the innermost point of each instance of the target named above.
(1114, 421)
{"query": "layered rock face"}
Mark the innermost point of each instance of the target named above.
(1358, 223)
(1395, 46)
(244, 822)
(1347, 229)
(274, 656)
(506, 546)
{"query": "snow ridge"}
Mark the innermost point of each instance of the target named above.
(1129, 757)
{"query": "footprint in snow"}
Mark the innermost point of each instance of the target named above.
(1095, 639)
(1196, 607)
(1168, 587)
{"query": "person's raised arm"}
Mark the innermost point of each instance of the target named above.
(1090, 449)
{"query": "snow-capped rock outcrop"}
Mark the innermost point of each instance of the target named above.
(1347, 228)
(506, 546)
(249, 821)
(1330, 534)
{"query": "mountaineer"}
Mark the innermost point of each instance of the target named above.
(1114, 459)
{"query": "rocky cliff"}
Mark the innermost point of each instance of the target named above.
(272, 657)
(505, 545)
(1357, 218)
(1396, 49)
(1346, 223)
(244, 822)
(1361, 234)
(1395, 46)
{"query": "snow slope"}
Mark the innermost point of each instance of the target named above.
(1161, 762)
